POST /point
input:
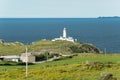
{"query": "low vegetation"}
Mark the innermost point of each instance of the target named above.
(42, 46)
(78, 61)
(82, 67)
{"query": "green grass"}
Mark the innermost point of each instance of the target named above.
(13, 48)
(81, 58)
(68, 69)
(16, 48)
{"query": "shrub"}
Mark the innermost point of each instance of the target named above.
(44, 56)
(84, 48)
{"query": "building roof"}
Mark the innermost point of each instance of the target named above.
(11, 57)
(28, 54)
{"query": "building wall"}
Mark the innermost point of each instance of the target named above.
(30, 58)
(10, 59)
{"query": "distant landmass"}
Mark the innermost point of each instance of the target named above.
(109, 17)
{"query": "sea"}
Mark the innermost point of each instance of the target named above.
(104, 33)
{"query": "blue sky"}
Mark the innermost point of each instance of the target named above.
(58, 8)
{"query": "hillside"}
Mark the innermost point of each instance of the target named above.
(81, 67)
(41, 46)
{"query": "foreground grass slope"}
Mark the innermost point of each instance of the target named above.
(75, 68)
(16, 48)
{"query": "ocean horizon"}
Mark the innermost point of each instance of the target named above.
(102, 32)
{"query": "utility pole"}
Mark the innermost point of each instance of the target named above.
(26, 62)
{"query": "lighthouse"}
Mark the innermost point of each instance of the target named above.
(64, 33)
(64, 37)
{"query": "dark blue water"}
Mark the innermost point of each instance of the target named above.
(104, 33)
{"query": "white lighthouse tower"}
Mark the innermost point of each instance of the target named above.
(64, 37)
(64, 33)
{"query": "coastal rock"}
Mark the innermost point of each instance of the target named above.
(108, 76)
(1, 41)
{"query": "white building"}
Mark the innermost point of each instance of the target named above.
(64, 37)
(30, 58)
(10, 58)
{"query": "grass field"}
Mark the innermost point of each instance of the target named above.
(16, 48)
(69, 69)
